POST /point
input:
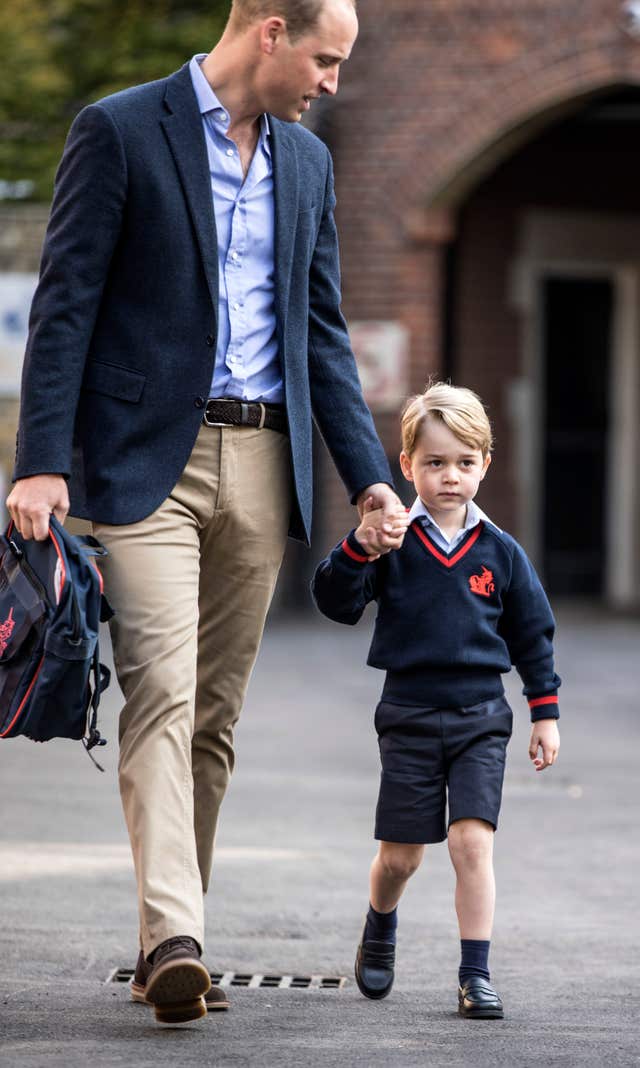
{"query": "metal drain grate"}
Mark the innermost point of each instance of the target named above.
(254, 982)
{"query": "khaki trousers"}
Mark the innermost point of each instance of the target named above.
(191, 586)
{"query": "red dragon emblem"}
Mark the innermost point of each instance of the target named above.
(482, 584)
(6, 629)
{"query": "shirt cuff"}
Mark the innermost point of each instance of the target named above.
(544, 707)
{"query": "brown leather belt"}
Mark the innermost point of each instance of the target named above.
(229, 412)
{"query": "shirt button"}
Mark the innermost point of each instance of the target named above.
(199, 402)
(229, 151)
(234, 255)
(210, 340)
(236, 307)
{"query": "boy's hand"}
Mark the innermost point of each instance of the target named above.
(381, 538)
(545, 736)
(376, 526)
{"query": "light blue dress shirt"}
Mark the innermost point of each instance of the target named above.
(247, 364)
(472, 518)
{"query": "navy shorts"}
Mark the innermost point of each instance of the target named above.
(434, 756)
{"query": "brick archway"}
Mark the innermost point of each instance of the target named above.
(447, 168)
(412, 133)
(435, 97)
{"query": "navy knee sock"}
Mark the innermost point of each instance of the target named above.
(381, 926)
(474, 959)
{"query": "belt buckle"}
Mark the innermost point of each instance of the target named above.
(209, 422)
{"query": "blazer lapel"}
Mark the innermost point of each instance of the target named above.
(183, 129)
(285, 189)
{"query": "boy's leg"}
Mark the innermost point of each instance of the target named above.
(476, 740)
(471, 852)
(392, 867)
(410, 811)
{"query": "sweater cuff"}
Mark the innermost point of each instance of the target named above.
(544, 707)
(352, 549)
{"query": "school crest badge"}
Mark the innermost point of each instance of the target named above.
(483, 583)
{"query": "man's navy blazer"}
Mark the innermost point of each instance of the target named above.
(122, 334)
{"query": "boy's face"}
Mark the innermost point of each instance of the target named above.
(445, 471)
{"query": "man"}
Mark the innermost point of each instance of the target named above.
(185, 328)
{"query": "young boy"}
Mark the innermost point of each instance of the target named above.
(458, 604)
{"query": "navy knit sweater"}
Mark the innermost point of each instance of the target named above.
(448, 626)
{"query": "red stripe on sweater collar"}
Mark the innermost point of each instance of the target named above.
(448, 561)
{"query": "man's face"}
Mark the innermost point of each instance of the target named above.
(300, 72)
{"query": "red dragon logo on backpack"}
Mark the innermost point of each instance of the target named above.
(482, 584)
(6, 630)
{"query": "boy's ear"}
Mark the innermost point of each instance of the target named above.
(405, 466)
(485, 466)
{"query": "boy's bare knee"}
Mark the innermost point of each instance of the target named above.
(399, 862)
(471, 842)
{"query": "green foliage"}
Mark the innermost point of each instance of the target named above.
(58, 55)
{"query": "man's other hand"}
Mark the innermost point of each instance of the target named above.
(32, 500)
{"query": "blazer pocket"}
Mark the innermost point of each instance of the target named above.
(114, 381)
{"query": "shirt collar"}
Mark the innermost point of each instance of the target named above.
(473, 517)
(209, 104)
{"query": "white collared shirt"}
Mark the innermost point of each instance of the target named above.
(420, 511)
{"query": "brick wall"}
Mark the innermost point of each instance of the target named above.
(434, 97)
(576, 166)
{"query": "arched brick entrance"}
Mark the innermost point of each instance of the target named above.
(435, 100)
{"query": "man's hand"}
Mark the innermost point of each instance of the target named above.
(372, 524)
(388, 533)
(32, 500)
(545, 736)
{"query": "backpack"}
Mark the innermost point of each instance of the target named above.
(51, 604)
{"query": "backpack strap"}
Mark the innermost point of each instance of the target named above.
(90, 546)
(101, 679)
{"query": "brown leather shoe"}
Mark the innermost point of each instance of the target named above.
(215, 999)
(177, 981)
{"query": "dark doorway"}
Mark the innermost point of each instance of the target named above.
(577, 361)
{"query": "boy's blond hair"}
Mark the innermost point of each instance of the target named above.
(459, 409)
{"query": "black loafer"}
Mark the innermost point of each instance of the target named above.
(478, 1000)
(374, 968)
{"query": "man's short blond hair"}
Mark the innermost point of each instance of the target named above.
(461, 411)
(301, 16)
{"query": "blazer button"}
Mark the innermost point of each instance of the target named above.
(199, 402)
(210, 340)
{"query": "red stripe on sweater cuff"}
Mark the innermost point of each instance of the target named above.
(542, 701)
(346, 548)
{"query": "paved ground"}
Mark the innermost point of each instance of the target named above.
(290, 890)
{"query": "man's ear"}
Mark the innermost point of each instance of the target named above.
(485, 466)
(271, 31)
(405, 466)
